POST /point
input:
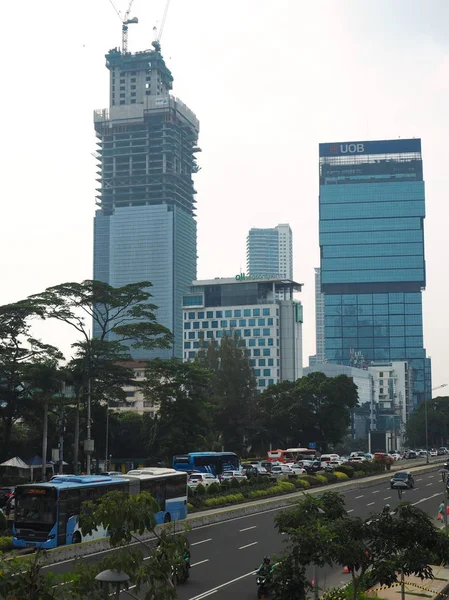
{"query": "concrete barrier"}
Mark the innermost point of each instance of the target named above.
(227, 513)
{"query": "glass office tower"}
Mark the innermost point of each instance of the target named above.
(372, 213)
(145, 225)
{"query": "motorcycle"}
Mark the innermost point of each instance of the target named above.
(263, 587)
(183, 571)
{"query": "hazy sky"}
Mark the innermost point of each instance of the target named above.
(269, 80)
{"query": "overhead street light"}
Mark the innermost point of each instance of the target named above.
(400, 486)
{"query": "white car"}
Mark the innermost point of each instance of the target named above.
(228, 475)
(205, 479)
(433, 453)
(282, 471)
(395, 455)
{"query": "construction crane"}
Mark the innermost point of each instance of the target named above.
(157, 41)
(125, 22)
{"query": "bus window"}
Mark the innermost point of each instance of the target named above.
(176, 487)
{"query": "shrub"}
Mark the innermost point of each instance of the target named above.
(190, 506)
(287, 486)
(311, 479)
(331, 477)
(223, 500)
(322, 479)
(3, 522)
(190, 492)
(360, 473)
(301, 484)
(200, 490)
(340, 476)
(5, 543)
(347, 469)
(235, 484)
(225, 485)
(214, 488)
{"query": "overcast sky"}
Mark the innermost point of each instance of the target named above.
(268, 80)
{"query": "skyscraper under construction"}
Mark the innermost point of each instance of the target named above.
(145, 226)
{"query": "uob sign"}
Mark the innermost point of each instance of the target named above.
(351, 148)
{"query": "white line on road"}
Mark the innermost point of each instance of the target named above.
(420, 479)
(352, 510)
(370, 503)
(248, 528)
(427, 484)
(202, 542)
(387, 498)
(200, 562)
(425, 499)
(357, 497)
(375, 492)
(431, 476)
(248, 545)
(215, 589)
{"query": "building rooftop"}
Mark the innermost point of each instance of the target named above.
(242, 278)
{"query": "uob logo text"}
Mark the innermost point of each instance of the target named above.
(351, 148)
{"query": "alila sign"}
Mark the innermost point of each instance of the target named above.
(243, 277)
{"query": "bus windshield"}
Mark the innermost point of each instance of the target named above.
(207, 462)
(35, 505)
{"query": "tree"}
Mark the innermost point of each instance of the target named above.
(127, 518)
(276, 419)
(232, 391)
(180, 390)
(438, 423)
(18, 348)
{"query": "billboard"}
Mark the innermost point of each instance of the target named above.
(373, 147)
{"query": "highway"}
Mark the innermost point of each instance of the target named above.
(224, 555)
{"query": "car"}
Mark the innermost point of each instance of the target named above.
(229, 475)
(332, 464)
(357, 459)
(404, 477)
(282, 471)
(253, 471)
(433, 453)
(422, 453)
(411, 454)
(6, 493)
(395, 455)
(205, 479)
(310, 466)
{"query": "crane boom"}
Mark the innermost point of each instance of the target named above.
(126, 21)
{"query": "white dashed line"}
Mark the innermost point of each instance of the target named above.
(200, 562)
(248, 528)
(202, 542)
(431, 476)
(370, 504)
(387, 498)
(375, 492)
(427, 484)
(357, 497)
(248, 545)
(420, 479)
(349, 511)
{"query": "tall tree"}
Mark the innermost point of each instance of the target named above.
(17, 348)
(233, 391)
(180, 390)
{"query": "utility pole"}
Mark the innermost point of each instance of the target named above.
(89, 442)
(61, 440)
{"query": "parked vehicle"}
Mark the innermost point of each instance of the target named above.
(411, 454)
(442, 451)
(206, 462)
(253, 471)
(229, 475)
(205, 479)
(433, 452)
(395, 456)
(404, 477)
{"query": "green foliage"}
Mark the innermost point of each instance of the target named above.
(347, 469)
(438, 423)
(214, 488)
(360, 473)
(225, 485)
(312, 480)
(200, 490)
(184, 418)
(235, 484)
(5, 543)
(331, 478)
(340, 476)
(223, 500)
(321, 478)
(3, 522)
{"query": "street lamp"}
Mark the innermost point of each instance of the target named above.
(425, 418)
(444, 473)
(400, 486)
(116, 578)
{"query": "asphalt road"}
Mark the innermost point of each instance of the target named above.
(225, 555)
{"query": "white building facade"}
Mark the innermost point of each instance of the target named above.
(269, 252)
(248, 307)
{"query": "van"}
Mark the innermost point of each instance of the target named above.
(328, 457)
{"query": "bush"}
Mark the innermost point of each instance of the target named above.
(225, 486)
(340, 476)
(235, 484)
(360, 473)
(190, 506)
(322, 479)
(3, 522)
(5, 543)
(312, 479)
(347, 469)
(200, 490)
(223, 500)
(331, 478)
(301, 484)
(214, 488)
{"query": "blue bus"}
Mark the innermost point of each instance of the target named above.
(207, 462)
(46, 514)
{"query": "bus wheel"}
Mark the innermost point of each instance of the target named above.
(76, 539)
(167, 518)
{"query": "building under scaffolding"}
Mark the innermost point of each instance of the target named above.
(145, 227)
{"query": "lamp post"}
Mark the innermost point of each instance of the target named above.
(316, 591)
(116, 578)
(425, 418)
(444, 473)
(400, 486)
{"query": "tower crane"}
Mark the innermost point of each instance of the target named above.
(157, 40)
(125, 22)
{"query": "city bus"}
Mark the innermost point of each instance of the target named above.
(291, 455)
(46, 514)
(207, 462)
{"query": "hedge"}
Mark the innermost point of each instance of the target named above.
(345, 468)
(341, 476)
(322, 479)
(220, 500)
(5, 543)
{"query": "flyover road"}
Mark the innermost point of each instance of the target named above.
(224, 555)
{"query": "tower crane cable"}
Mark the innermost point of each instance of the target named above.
(161, 29)
(116, 10)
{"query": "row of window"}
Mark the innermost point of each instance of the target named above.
(250, 343)
(375, 320)
(219, 314)
(257, 332)
(232, 323)
(393, 331)
(392, 298)
(338, 355)
(263, 362)
(375, 342)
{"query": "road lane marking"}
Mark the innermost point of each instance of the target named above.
(248, 545)
(202, 542)
(370, 503)
(215, 589)
(352, 510)
(357, 497)
(200, 562)
(431, 476)
(425, 499)
(248, 528)
(427, 484)
(387, 498)
(375, 492)
(420, 479)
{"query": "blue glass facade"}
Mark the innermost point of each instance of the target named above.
(372, 209)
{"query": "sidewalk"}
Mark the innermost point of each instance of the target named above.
(414, 586)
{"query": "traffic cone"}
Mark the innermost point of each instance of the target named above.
(313, 582)
(346, 570)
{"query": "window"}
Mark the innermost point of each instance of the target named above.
(242, 322)
(256, 352)
(201, 335)
(196, 344)
(247, 332)
(133, 87)
(237, 313)
(196, 324)
(271, 362)
(381, 374)
(252, 362)
(267, 372)
(266, 312)
(270, 321)
(266, 331)
(270, 342)
(271, 382)
(223, 323)
(261, 341)
(262, 362)
(201, 314)
(191, 335)
(256, 332)
(232, 323)
(192, 354)
(210, 314)
(257, 372)
(187, 345)
(261, 322)
(261, 382)
(251, 322)
(214, 324)
(251, 342)
(210, 335)
(228, 313)
(266, 352)
(191, 315)
(219, 314)
(256, 312)
(246, 312)
(205, 324)
(130, 394)
(186, 325)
